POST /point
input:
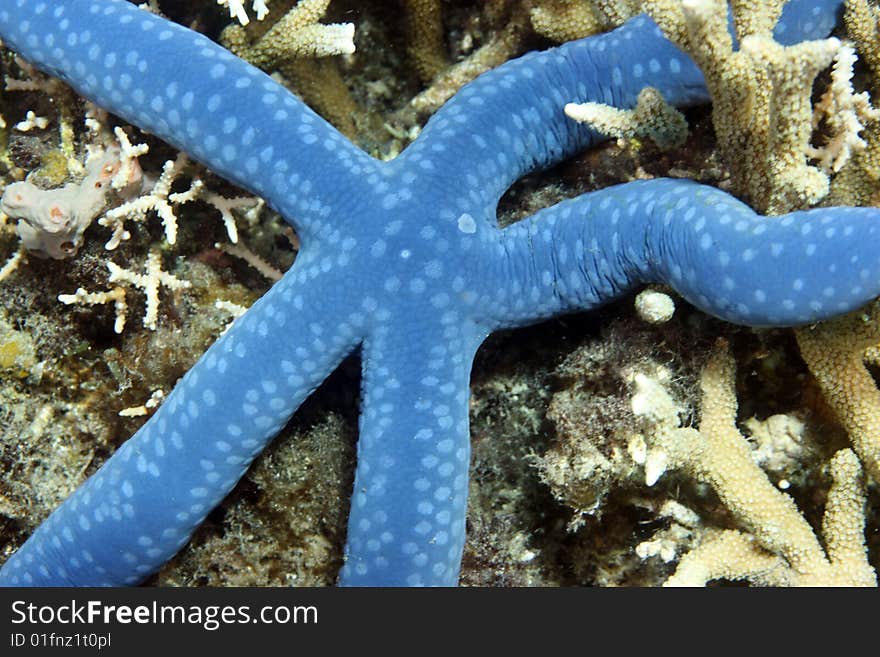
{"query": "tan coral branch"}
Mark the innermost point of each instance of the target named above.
(424, 34)
(719, 455)
(834, 352)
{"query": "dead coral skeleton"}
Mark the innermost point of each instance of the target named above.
(859, 182)
(239, 13)
(149, 282)
(776, 546)
(159, 200)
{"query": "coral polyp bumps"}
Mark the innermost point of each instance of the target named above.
(449, 275)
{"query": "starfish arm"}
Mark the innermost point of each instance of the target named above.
(145, 502)
(807, 19)
(195, 95)
(711, 248)
(510, 120)
(407, 522)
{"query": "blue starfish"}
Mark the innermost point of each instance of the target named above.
(404, 260)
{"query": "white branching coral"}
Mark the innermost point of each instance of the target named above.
(845, 114)
(116, 296)
(149, 282)
(52, 222)
(778, 546)
(159, 199)
(241, 251)
(239, 13)
(32, 121)
(225, 206)
(129, 168)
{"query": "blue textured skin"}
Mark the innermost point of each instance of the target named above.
(404, 259)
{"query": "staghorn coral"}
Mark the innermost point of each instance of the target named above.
(290, 46)
(835, 353)
(511, 23)
(773, 82)
(297, 34)
(761, 96)
(565, 20)
(652, 117)
(779, 547)
(425, 43)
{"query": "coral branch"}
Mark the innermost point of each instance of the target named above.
(717, 454)
(834, 352)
